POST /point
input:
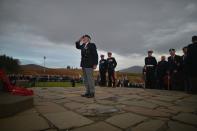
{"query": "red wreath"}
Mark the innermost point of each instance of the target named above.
(14, 89)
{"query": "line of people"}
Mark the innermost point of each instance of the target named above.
(107, 66)
(175, 73)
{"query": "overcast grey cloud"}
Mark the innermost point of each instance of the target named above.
(125, 27)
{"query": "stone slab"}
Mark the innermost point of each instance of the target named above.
(67, 120)
(125, 120)
(147, 112)
(175, 126)
(140, 104)
(49, 107)
(187, 118)
(100, 126)
(152, 125)
(74, 105)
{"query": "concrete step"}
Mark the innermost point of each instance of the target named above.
(12, 104)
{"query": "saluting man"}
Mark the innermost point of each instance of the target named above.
(89, 61)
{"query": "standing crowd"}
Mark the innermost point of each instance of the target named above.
(175, 73)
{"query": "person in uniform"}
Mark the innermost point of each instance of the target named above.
(111, 65)
(162, 68)
(89, 61)
(184, 70)
(103, 70)
(191, 64)
(174, 66)
(150, 66)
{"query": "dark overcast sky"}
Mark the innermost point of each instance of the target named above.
(30, 29)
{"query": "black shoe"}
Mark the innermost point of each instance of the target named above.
(91, 96)
(85, 95)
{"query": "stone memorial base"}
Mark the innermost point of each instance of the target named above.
(12, 104)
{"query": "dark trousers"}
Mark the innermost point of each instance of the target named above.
(111, 78)
(161, 83)
(150, 78)
(103, 78)
(1, 85)
(186, 82)
(177, 81)
(192, 84)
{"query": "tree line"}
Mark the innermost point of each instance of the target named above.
(9, 64)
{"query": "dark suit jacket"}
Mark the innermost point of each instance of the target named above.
(162, 68)
(103, 65)
(174, 64)
(89, 56)
(184, 67)
(191, 60)
(111, 63)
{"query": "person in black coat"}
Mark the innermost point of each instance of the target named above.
(89, 61)
(184, 70)
(72, 81)
(174, 67)
(111, 65)
(191, 64)
(150, 66)
(89, 55)
(162, 68)
(103, 70)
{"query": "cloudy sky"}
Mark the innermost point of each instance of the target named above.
(31, 29)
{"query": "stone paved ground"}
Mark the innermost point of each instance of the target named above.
(113, 109)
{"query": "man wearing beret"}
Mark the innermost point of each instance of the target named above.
(150, 66)
(111, 65)
(103, 70)
(174, 67)
(89, 61)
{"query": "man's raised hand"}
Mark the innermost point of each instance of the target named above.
(81, 39)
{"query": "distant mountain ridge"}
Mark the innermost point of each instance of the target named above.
(132, 69)
(32, 66)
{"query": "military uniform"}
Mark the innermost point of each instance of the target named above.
(150, 63)
(184, 73)
(111, 65)
(174, 67)
(103, 71)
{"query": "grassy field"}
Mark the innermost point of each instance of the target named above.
(56, 84)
